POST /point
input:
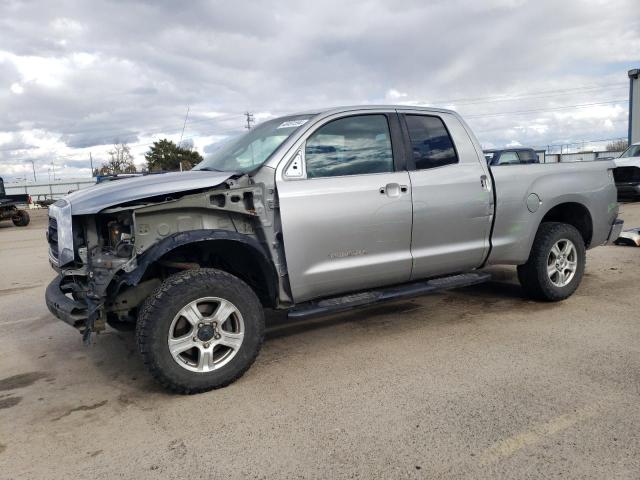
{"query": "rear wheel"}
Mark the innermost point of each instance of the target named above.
(21, 219)
(556, 263)
(200, 330)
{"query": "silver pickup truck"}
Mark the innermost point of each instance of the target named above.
(314, 213)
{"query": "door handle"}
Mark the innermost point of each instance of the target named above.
(393, 189)
(485, 183)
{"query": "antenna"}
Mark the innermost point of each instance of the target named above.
(184, 124)
(250, 120)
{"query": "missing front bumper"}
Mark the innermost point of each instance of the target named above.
(70, 311)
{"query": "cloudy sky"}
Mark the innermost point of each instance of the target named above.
(76, 76)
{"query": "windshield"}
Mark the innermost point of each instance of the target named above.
(632, 151)
(250, 150)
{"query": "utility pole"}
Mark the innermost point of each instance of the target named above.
(33, 165)
(53, 169)
(634, 106)
(91, 162)
(250, 120)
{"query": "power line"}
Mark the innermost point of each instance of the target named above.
(544, 110)
(535, 93)
(524, 96)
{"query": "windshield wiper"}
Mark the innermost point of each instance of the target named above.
(209, 169)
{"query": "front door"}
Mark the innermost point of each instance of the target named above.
(452, 197)
(346, 208)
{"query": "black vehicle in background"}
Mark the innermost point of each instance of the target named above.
(511, 156)
(9, 207)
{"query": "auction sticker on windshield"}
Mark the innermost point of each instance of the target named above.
(292, 123)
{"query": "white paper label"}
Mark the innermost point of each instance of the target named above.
(292, 123)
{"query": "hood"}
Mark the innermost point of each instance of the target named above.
(627, 162)
(108, 194)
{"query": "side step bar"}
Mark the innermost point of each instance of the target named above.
(340, 304)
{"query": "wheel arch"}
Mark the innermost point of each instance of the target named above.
(572, 213)
(240, 255)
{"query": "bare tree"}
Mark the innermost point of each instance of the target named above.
(617, 145)
(120, 160)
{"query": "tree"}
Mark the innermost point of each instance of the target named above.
(120, 161)
(164, 155)
(617, 145)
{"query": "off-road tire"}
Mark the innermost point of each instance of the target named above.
(162, 306)
(533, 275)
(21, 218)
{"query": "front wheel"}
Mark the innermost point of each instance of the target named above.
(21, 219)
(200, 330)
(556, 263)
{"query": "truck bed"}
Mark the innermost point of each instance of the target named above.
(515, 191)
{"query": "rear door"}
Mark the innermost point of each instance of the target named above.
(345, 206)
(452, 198)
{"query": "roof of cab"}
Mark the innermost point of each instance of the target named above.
(348, 108)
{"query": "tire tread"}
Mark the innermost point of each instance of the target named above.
(533, 276)
(155, 302)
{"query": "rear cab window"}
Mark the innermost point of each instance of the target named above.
(516, 157)
(508, 158)
(527, 156)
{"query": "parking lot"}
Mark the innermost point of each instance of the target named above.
(477, 383)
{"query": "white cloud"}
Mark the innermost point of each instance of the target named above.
(66, 26)
(394, 95)
(17, 88)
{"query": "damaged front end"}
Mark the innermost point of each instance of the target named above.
(88, 251)
(110, 260)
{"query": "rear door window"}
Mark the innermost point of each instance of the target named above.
(430, 142)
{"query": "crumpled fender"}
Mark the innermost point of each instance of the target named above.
(196, 236)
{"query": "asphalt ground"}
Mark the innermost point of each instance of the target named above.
(475, 383)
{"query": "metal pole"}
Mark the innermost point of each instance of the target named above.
(250, 120)
(634, 106)
(33, 164)
(91, 160)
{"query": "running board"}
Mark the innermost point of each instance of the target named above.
(339, 304)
